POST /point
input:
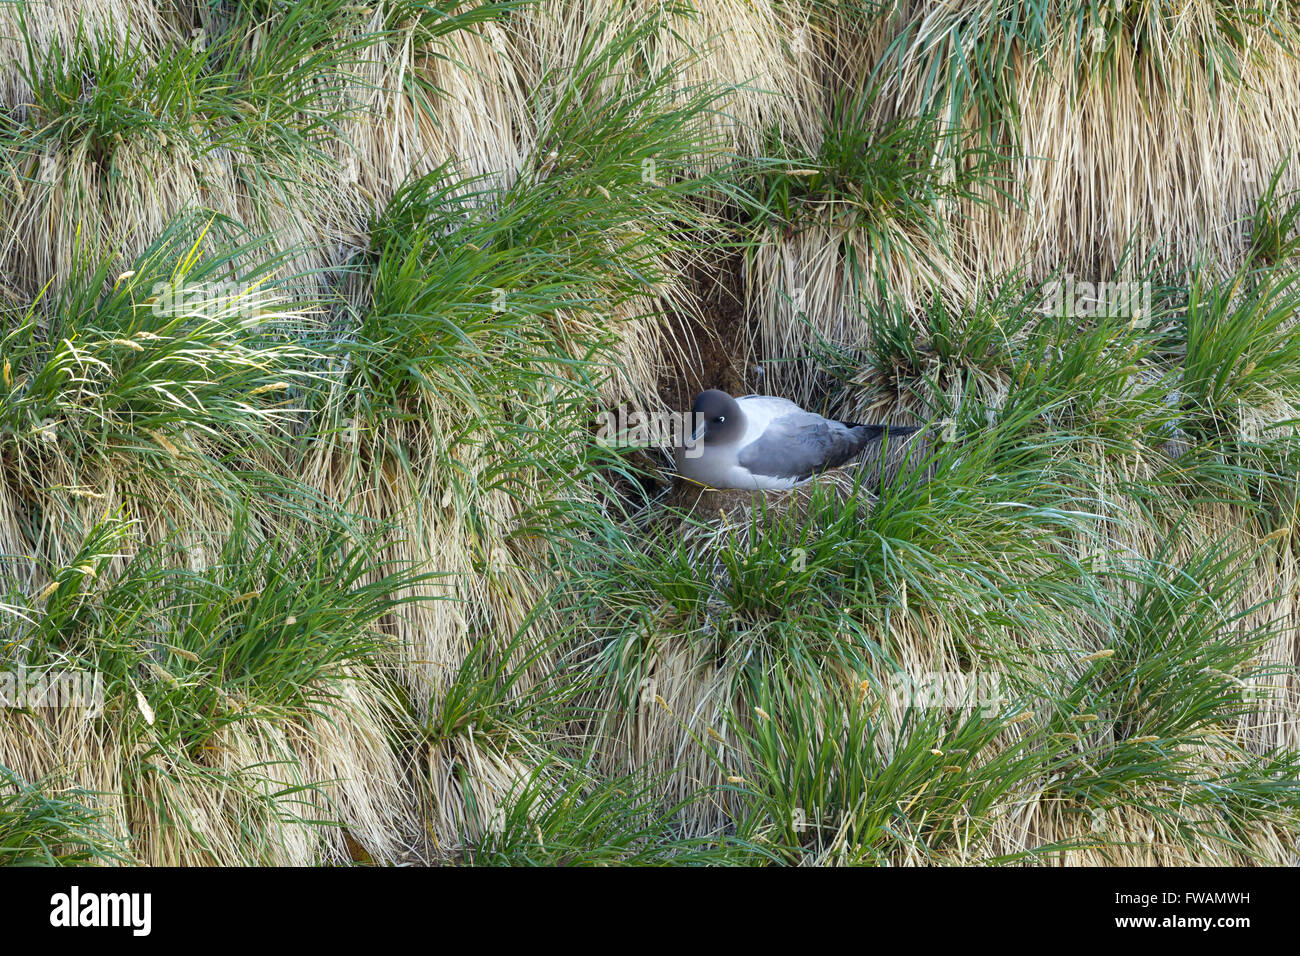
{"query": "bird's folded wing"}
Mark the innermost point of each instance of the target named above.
(799, 445)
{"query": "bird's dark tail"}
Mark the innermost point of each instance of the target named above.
(876, 432)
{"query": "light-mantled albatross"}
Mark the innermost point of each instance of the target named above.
(766, 443)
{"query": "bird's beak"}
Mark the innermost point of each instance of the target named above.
(694, 445)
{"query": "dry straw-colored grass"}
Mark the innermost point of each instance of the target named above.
(1118, 154)
(801, 292)
(1137, 154)
(766, 56)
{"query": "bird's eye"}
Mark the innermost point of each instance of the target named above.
(720, 419)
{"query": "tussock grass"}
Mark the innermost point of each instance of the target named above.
(762, 58)
(832, 229)
(37, 829)
(240, 706)
(359, 584)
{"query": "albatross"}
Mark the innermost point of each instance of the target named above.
(760, 442)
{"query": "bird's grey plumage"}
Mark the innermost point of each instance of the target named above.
(801, 444)
(764, 442)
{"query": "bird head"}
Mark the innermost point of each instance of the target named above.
(717, 417)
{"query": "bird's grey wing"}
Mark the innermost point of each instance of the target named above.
(801, 444)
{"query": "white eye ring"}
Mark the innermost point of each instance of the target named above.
(722, 418)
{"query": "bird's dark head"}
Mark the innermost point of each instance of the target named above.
(719, 415)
